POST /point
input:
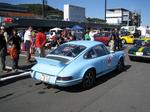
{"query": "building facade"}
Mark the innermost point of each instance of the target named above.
(123, 17)
(74, 13)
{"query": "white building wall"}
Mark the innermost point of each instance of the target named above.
(74, 13)
(114, 20)
(66, 12)
(113, 14)
(117, 16)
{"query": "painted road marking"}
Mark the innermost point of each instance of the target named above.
(16, 76)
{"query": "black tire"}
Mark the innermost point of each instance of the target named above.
(123, 41)
(120, 66)
(88, 79)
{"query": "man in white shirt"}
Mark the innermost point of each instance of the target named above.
(27, 41)
(91, 34)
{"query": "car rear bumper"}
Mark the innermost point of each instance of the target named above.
(68, 83)
(135, 57)
(53, 80)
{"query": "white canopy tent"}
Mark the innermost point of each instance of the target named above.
(56, 29)
(145, 31)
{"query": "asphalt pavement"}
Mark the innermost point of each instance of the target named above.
(128, 91)
(23, 68)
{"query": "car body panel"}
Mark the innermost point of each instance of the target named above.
(129, 39)
(48, 70)
(103, 37)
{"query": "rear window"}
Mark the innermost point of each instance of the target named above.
(69, 50)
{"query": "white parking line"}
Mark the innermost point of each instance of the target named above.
(8, 67)
(15, 76)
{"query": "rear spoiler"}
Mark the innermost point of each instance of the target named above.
(49, 61)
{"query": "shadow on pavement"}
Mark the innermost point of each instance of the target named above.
(99, 81)
(23, 68)
(5, 96)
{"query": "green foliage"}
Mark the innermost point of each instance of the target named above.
(37, 9)
(95, 20)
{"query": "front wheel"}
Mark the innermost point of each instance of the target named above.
(88, 79)
(123, 41)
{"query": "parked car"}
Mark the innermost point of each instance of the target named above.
(144, 38)
(103, 37)
(77, 62)
(140, 51)
(128, 39)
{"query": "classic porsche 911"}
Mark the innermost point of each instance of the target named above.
(140, 51)
(77, 62)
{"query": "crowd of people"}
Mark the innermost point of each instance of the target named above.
(37, 41)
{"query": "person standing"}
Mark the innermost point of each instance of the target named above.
(40, 43)
(118, 40)
(91, 34)
(112, 44)
(86, 36)
(15, 50)
(3, 50)
(27, 41)
(5, 33)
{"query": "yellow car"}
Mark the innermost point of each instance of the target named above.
(129, 39)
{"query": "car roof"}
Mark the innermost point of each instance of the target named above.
(85, 43)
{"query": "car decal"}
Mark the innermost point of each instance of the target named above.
(109, 60)
(140, 49)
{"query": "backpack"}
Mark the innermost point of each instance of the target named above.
(13, 53)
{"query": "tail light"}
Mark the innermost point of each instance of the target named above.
(65, 78)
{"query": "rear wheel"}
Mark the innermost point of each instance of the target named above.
(88, 79)
(120, 66)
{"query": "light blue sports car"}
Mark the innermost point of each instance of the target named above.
(77, 62)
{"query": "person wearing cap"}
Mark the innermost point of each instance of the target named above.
(3, 50)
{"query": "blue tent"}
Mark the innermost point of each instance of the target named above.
(77, 27)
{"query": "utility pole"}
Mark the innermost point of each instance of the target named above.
(105, 9)
(43, 8)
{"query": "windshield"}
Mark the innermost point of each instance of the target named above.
(102, 34)
(69, 50)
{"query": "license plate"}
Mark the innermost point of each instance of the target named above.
(139, 53)
(45, 78)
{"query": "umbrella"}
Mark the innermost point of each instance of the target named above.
(56, 29)
(77, 27)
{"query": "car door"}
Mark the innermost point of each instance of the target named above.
(99, 58)
(130, 39)
(105, 56)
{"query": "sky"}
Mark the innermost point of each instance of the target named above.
(95, 8)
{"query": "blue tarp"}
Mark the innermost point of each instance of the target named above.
(77, 27)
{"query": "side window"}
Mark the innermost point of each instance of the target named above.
(96, 51)
(99, 51)
(105, 49)
(90, 54)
